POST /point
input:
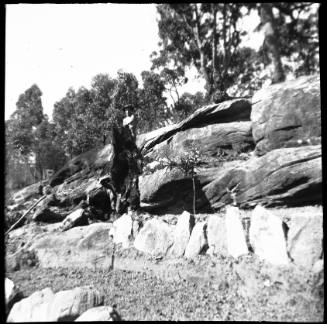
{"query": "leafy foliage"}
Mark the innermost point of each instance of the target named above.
(153, 109)
(203, 35)
(187, 104)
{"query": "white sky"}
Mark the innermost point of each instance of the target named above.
(58, 46)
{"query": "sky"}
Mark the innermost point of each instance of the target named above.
(58, 46)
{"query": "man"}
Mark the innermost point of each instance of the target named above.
(130, 120)
(125, 166)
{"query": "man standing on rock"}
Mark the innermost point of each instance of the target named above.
(125, 166)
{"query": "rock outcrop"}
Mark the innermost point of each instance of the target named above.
(287, 114)
(84, 246)
(210, 140)
(287, 176)
(226, 112)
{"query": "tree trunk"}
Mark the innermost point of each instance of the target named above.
(203, 61)
(193, 180)
(214, 44)
(271, 41)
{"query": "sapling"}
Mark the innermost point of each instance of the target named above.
(187, 162)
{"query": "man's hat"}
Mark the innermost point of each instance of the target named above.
(129, 107)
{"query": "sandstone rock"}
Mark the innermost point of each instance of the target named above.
(10, 291)
(142, 139)
(209, 139)
(228, 111)
(78, 247)
(45, 306)
(121, 230)
(76, 218)
(286, 112)
(305, 239)
(287, 176)
(236, 243)
(155, 238)
(182, 234)
(198, 240)
(100, 313)
(34, 308)
(67, 305)
(267, 236)
(217, 235)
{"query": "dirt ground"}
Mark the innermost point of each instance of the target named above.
(203, 289)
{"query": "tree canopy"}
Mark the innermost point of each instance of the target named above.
(209, 37)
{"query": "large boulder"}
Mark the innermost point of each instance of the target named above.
(198, 241)
(182, 233)
(305, 239)
(287, 176)
(69, 304)
(100, 313)
(83, 246)
(46, 306)
(155, 238)
(33, 308)
(285, 113)
(267, 236)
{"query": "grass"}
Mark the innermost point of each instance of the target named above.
(244, 289)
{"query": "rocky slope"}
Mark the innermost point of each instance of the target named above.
(253, 154)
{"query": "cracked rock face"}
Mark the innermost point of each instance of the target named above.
(287, 114)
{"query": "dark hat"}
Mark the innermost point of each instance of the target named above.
(129, 107)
